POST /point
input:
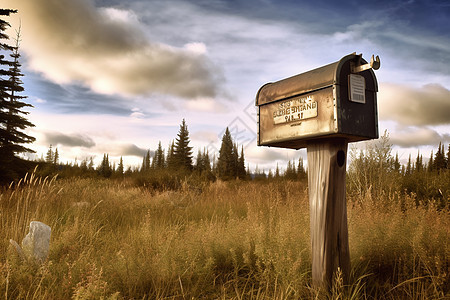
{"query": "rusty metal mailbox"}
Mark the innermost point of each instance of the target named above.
(338, 100)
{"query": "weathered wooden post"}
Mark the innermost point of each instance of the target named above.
(323, 110)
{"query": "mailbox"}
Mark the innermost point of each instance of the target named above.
(338, 100)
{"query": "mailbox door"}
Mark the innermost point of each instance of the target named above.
(357, 118)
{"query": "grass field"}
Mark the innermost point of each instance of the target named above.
(224, 240)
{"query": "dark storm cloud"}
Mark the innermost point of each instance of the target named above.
(428, 105)
(107, 50)
(71, 140)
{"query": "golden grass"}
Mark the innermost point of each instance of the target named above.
(234, 240)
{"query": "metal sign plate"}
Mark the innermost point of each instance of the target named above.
(295, 109)
(357, 88)
(297, 118)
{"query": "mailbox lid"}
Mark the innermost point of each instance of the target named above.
(309, 81)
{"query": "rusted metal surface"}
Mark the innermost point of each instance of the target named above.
(322, 103)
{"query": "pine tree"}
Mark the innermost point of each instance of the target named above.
(439, 159)
(49, 158)
(277, 172)
(397, 165)
(448, 157)
(12, 115)
(170, 160)
(182, 153)
(206, 161)
(56, 157)
(226, 164)
(419, 165)
(146, 162)
(105, 168)
(158, 159)
(301, 173)
(235, 160)
(120, 167)
(431, 163)
(409, 167)
(91, 163)
(199, 162)
(83, 165)
(241, 173)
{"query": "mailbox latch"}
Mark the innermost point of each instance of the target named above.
(374, 64)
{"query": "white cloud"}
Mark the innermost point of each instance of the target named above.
(416, 137)
(197, 48)
(106, 50)
(428, 105)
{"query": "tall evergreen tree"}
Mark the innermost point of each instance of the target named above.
(431, 163)
(12, 114)
(301, 173)
(397, 165)
(448, 157)
(50, 155)
(105, 168)
(170, 160)
(419, 164)
(409, 167)
(182, 151)
(199, 162)
(120, 167)
(241, 173)
(439, 159)
(56, 157)
(277, 172)
(91, 164)
(158, 159)
(206, 161)
(226, 163)
(146, 162)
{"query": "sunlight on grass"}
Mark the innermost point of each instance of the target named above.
(234, 240)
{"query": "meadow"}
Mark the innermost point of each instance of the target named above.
(220, 240)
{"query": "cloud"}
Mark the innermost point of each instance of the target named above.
(415, 137)
(205, 136)
(264, 155)
(107, 51)
(71, 140)
(428, 105)
(131, 150)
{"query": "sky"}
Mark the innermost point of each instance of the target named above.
(117, 77)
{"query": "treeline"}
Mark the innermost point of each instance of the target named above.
(175, 163)
(376, 174)
(162, 169)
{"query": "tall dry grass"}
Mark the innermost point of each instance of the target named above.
(234, 240)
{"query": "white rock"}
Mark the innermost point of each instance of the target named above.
(37, 242)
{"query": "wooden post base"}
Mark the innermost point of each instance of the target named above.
(328, 210)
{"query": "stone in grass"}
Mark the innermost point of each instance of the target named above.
(36, 243)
